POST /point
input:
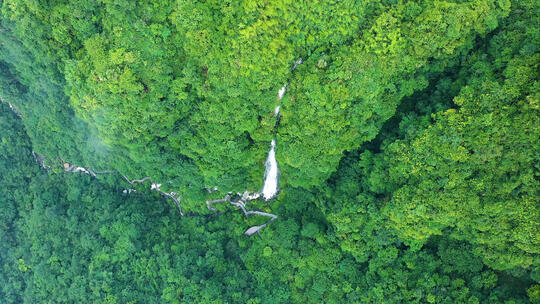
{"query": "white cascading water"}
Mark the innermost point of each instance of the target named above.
(271, 174)
(281, 92)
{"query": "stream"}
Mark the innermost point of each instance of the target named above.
(269, 189)
(271, 173)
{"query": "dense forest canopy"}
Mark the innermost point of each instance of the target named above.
(406, 133)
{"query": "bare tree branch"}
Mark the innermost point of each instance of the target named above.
(72, 168)
(135, 181)
(227, 198)
(40, 160)
(241, 203)
(210, 190)
(106, 172)
(175, 200)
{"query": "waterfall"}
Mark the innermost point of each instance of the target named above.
(281, 92)
(271, 174)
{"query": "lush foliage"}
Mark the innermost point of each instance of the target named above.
(408, 144)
